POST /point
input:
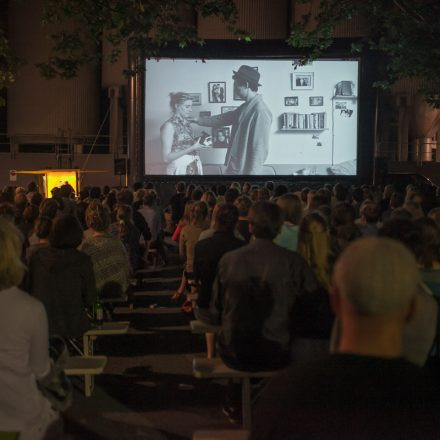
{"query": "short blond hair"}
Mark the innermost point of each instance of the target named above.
(11, 267)
(377, 276)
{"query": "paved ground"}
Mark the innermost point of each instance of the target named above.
(147, 390)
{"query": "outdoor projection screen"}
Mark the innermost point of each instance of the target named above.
(313, 108)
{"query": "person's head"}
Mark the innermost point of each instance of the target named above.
(429, 242)
(246, 81)
(388, 191)
(340, 192)
(7, 212)
(280, 190)
(20, 201)
(369, 212)
(150, 199)
(95, 193)
(396, 200)
(314, 245)
(434, 214)
(403, 230)
(197, 194)
(36, 199)
(317, 200)
(181, 104)
(357, 195)
(221, 189)
(66, 232)
(415, 209)
(30, 214)
(209, 198)
(66, 191)
(49, 208)
(43, 225)
(265, 220)
(246, 188)
(111, 200)
(124, 197)
(226, 218)
(243, 204)
(375, 278)
(180, 187)
(32, 187)
(84, 194)
(199, 212)
(343, 214)
(237, 186)
(97, 217)
(187, 210)
(291, 206)
(11, 267)
(263, 194)
(231, 195)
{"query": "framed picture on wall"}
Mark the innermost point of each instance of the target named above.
(204, 114)
(221, 137)
(217, 92)
(316, 100)
(228, 108)
(196, 98)
(290, 100)
(301, 81)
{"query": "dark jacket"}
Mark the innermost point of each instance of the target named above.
(255, 295)
(63, 280)
(207, 254)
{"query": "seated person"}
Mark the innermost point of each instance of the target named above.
(111, 264)
(291, 206)
(365, 390)
(61, 277)
(243, 203)
(24, 348)
(207, 254)
(255, 293)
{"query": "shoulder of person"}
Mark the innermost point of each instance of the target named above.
(167, 126)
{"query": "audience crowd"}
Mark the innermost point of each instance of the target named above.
(338, 286)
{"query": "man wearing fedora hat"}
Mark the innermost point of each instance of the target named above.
(250, 125)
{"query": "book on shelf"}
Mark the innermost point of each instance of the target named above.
(301, 121)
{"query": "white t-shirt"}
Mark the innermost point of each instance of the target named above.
(24, 357)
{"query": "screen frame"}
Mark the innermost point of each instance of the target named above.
(276, 50)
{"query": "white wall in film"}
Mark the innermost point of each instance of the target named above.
(314, 107)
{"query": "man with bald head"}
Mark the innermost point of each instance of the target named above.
(365, 390)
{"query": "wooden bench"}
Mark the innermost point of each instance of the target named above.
(87, 366)
(199, 327)
(227, 434)
(107, 328)
(215, 368)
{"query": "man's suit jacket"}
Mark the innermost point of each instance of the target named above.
(249, 135)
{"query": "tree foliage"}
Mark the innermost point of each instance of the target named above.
(406, 32)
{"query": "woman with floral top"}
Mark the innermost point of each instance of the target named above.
(179, 147)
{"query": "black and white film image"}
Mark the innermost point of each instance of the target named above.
(196, 98)
(228, 108)
(282, 136)
(290, 100)
(316, 101)
(302, 81)
(217, 92)
(221, 137)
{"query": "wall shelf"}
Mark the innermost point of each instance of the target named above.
(344, 97)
